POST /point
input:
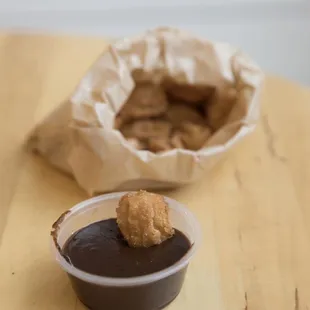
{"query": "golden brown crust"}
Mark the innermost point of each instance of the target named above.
(176, 140)
(194, 136)
(144, 129)
(179, 113)
(159, 144)
(188, 93)
(146, 100)
(143, 219)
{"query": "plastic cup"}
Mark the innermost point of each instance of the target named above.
(148, 292)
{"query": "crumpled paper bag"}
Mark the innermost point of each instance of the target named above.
(80, 139)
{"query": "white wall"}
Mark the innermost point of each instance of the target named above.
(106, 5)
(276, 32)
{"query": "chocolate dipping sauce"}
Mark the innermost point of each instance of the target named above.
(100, 249)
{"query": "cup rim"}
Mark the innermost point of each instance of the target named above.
(131, 281)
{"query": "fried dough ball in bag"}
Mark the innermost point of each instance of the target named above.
(146, 100)
(188, 93)
(179, 113)
(194, 136)
(144, 129)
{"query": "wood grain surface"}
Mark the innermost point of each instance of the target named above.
(254, 207)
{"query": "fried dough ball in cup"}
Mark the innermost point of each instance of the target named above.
(143, 219)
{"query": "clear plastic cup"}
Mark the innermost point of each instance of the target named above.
(148, 292)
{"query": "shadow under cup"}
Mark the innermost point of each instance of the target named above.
(148, 292)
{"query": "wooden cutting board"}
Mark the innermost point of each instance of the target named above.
(254, 207)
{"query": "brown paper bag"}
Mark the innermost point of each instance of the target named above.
(79, 137)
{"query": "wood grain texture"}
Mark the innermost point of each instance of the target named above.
(253, 206)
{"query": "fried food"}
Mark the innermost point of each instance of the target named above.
(152, 123)
(146, 100)
(194, 136)
(143, 219)
(145, 129)
(157, 145)
(176, 140)
(179, 113)
(188, 93)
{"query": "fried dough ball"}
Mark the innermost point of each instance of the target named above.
(194, 136)
(143, 219)
(180, 113)
(159, 144)
(188, 93)
(144, 129)
(146, 100)
(176, 140)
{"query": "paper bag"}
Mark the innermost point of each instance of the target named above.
(79, 137)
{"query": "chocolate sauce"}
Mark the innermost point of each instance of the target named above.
(101, 250)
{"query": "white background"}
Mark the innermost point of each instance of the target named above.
(276, 33)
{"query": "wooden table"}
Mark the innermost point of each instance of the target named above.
(254, 207)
